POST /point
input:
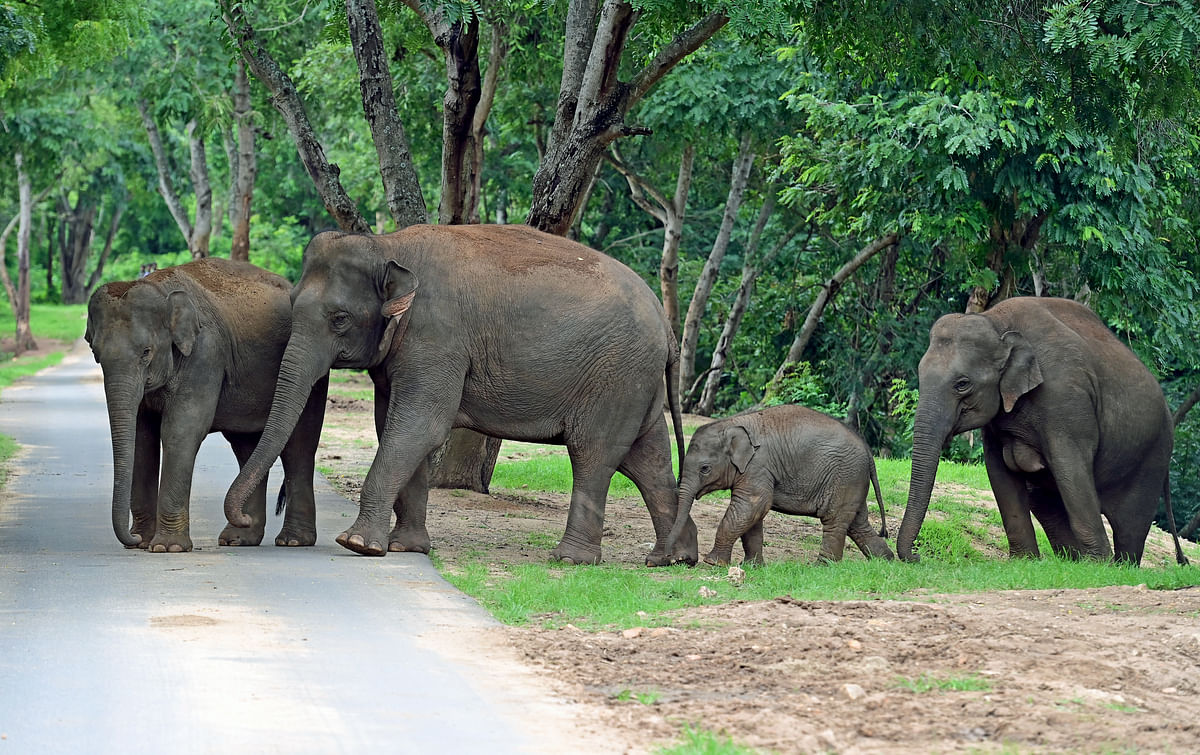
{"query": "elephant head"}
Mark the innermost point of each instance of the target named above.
(348, 311)
(139, 332)
(720, 453)
(971, 372)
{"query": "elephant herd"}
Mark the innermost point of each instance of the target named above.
(522, 335)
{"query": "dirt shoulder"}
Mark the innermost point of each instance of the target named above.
(1110, 669)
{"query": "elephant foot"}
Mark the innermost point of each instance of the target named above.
(360, 544)
(716, 559)
(659, 558)
(170, 544)
(239, 536)
(409, 540)
(289, 538)
(574, 555)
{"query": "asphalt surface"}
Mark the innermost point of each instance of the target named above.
(229, 650)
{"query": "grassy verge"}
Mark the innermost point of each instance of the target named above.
(961, 544)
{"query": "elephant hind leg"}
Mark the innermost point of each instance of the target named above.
(648, 465)
(869, 543)
(580, 542)
(410, 535)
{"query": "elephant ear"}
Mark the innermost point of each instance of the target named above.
(1021, 372)
(399, 290)
(740, 446)
(185, 321)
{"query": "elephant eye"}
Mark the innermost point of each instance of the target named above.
(705, 469)
(340, 321)
(146, 352)
(962, 385)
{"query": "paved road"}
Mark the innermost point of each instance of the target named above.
(228, 650)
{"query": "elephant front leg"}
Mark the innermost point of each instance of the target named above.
(747, 507)
(143, 502)
(410, 535)
(299, 467)
(256, 506)
(174, 492)
(1012, 498)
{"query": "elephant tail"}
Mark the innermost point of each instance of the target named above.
(673, 399)
(281, 499)
(1179, 557)
(883, 530)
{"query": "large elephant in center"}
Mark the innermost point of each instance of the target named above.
(1074, 427)
(504, 330)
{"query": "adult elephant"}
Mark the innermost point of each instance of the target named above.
(504, 330)
(186, 351)
(1074, 427)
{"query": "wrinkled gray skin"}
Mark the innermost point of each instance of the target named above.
(186, 351)
(1074, 427)
(499, 329)
(789, 459)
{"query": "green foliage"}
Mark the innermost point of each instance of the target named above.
(801, 386)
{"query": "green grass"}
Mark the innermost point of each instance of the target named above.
(612, 596)
(926, 683)
(703, 742)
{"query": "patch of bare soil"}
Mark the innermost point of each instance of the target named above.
(1104, 670)
(44, 346)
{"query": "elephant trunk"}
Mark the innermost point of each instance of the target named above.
(123, 396)
(686, 496)
(298, 372)
(930, 433)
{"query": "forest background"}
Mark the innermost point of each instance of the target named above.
(807, 184)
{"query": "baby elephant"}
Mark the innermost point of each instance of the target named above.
(790, 459)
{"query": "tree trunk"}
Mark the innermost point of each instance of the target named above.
(202, 229)
(285, 98)
(1005, 243)
(401, 188)
(75, 252)
(244, 166)
(670, 212)
(593, 102)
(487, 96)
(712, 268)
(459, 43)
(24, 336)
(828, 290)
(114, 223)
(166, 186)
(750, 272)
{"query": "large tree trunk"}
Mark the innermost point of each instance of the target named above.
(593, 101)
(202, 228)
(670, 212)
(286, 99)
(1005, 243)
(712, 268)
(244, 166)
(401, 188)
(24, 336)
(78, 222)
(828, 290)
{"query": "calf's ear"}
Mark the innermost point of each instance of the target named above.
(740, 446)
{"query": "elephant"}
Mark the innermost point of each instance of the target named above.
(785, 458)
(1074, 427)
(503, 330)
(186, 351)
